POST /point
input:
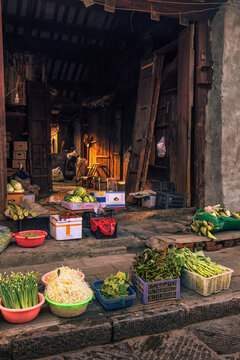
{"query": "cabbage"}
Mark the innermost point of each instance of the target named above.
(10, 189)
(16, 185)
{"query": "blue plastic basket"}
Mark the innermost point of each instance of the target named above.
(113, 304)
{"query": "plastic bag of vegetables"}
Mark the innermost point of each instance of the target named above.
(5, 237)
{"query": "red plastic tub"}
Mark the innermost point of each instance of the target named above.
(24, 241)
(21, 316)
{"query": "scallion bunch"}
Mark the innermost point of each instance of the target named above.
(19, 291)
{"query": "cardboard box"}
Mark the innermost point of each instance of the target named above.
(29, 196)
(16, 197)
(65, 229)
(19, 154)
(149, 201)
(17, 164)
(20, 145)
(110, 198)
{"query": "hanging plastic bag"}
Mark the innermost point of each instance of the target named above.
(161, 147)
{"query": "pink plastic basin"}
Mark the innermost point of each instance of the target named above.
(21, 316)
(45, 276)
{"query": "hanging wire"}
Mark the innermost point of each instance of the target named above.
(131, 18)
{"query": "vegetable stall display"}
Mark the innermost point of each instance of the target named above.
(67, 293)
(20, 301)
(215, 218)
(80, 196)
(17, 212)
(14, 186)
(200, 274)
(115, 291)
(155, 275)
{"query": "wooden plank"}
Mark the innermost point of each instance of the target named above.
(3, 147)
(144, 99)
(184, 110)
(146, 109)
(154, 109)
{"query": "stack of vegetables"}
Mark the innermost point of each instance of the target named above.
(19, 291)
(115, 286)
(155, 265)
(16, 212)
(214, 218)
(14, 187)
(80, 196)
(65, 286)
(197, 263)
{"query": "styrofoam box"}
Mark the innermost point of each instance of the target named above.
(65, 229)
(149, 201)
(81, 206)
(111, 198)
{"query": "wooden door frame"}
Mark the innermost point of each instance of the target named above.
(3, 151)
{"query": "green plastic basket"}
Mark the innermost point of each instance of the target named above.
(68, 310)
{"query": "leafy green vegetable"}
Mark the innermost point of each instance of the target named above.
(115, 286)
(19, 291)
(197, 263)
(153, 265)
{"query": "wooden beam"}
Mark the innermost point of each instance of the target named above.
(167, 9)
(3, 147)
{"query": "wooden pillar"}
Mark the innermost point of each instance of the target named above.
(3, 149)
(202, 86)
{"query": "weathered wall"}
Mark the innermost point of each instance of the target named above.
(223, 112)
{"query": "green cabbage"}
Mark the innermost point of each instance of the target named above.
(10, 189)
(16, 185)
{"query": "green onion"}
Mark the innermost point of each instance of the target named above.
(19, 291)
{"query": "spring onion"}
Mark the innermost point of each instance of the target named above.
(19, 291)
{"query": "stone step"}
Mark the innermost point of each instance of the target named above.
(108, 251)
(49, 335)
(60, 251)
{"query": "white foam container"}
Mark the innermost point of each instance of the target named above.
(149, 202)
(65, 229)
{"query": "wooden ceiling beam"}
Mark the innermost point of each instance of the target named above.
(57, 27)
(166, 8)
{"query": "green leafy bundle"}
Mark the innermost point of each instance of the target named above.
(197, 263)
(155, 265)
(115, 286)
(19, 291)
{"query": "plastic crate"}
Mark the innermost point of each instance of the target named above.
(164, 186)
(170, 200)
(207, 286)
(39, 223)
(149, 292)
(113, 304)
